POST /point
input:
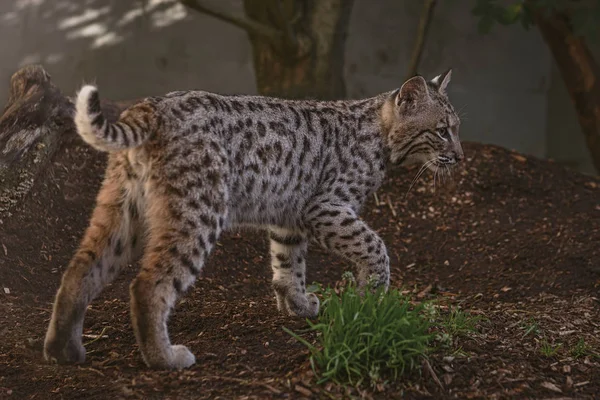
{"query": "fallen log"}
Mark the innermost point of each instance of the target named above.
(35, 122)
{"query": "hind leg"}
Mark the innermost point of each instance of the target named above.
(288, 261)
(183, 228)
(109, 243)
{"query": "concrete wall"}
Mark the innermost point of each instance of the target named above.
(503, 82)
(499, 81)
(131, 48)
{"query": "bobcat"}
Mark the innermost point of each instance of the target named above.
(188, 165)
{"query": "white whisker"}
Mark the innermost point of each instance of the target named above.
(419, 173)
(443, 175)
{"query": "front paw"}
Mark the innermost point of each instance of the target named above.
(305, 306)
(313, 305)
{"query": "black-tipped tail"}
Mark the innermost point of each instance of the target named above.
(132, 129)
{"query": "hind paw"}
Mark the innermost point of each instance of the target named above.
(182, 357)
(71, 353)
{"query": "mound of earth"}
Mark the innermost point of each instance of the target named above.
(512, 238)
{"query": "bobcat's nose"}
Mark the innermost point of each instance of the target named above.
(458, 154)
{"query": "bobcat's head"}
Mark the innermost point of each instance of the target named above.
(421, 125)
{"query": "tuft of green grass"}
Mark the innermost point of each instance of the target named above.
(450, 325)
(580, 349)
(371, 335)
(459, 322)
(530, 327)
(549, 350)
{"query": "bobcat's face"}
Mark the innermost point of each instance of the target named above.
(421, 124)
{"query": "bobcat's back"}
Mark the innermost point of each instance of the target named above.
(271, 155)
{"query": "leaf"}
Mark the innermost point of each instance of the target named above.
(511, 14)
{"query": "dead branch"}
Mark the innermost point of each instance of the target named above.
(274, 36)
(287, 23)
(36, 120)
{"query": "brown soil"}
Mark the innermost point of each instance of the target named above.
(513, 239)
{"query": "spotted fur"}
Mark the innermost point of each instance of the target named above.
(186, 166)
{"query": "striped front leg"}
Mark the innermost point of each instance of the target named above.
(288, 260)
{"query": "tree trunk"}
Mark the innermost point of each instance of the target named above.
(580, 73)
(421, 37)
(35, 122)
(310, 63)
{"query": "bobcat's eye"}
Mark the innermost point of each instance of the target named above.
(443, 133)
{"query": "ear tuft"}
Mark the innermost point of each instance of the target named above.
(442, 81)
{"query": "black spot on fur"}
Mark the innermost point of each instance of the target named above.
(347, 221)
(177, 285)
(119, 248)
(212, 238)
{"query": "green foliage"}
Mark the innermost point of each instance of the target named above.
(489, 12)
(584, 16)
(580, 349)
(530, 327)
(460, 323)
(450, 325)
(370, 336)
(548, 349)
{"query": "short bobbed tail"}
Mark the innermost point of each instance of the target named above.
(132, 129)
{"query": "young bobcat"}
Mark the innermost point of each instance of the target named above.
(186, 166)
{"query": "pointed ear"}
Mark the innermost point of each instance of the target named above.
(413, 91)
(442, 81)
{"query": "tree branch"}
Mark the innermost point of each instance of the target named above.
(424, 22)
(287, 24)
(274, 36)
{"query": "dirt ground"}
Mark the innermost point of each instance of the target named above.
(511, 238)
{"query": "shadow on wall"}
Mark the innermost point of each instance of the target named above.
(129, 48)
